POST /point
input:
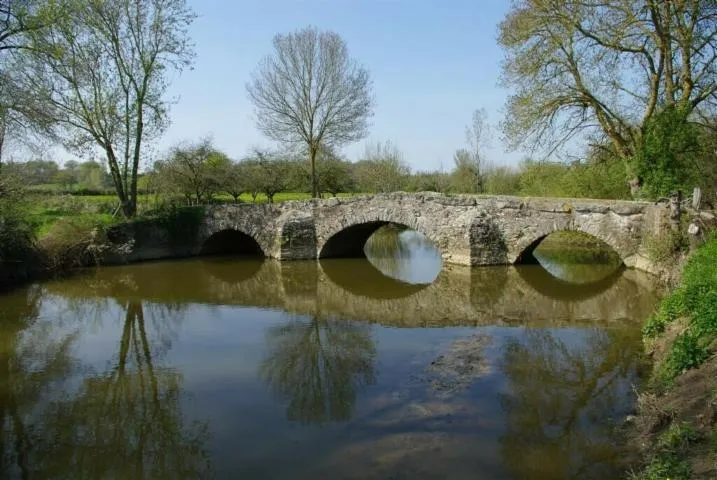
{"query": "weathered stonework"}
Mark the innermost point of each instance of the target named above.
(467, 229)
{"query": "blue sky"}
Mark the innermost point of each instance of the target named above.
(432, 63)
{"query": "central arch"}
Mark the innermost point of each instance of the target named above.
(232, 242)
(350, 242)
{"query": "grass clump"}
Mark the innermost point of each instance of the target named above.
(695, 300)
(669, 460)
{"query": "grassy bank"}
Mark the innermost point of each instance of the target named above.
(677, 415)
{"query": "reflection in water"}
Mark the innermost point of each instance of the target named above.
(588, 261)
(125, 422)
(564, 393)
(188, 368)
(32, 360)
(405, 255)
(319, 366)
(360, 277)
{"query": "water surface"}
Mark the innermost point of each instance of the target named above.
(231, 368)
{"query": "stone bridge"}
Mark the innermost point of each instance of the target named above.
(467, 229)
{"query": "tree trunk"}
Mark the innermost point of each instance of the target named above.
(314, 184)
(117, 180)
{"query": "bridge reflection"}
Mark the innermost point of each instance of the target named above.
(355, 290)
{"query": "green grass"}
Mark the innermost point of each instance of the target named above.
(668, 461)
(696, 301)
(45, 210)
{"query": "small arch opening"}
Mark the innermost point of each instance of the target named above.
(573, 257)
(231, 242)
(389, 256)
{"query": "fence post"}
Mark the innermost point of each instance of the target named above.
(696, 198)
(675, 210)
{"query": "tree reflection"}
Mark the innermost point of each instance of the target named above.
(562, 395)
(124, 423)
(31, 360)
(127, 422)
(319, 365)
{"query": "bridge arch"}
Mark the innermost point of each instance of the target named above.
(527, 245)
(347, 238)
(231, 241)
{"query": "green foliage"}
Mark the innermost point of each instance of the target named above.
(592, 179)
(686, 352)
(195, 171)
(661, 248)
(666, 160)
(669, 461)
(671, 308)
(696, 300)
(501, 181)
(182, 224)
(383, 169)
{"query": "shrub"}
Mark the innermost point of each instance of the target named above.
(669, 461)
(74, 243)
(696, 300)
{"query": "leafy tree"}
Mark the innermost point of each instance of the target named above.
(18, 19)
(310, 92)
(334, 174)
(233, 180)
(90, 174)
(195, 171)
(466, 176)
(428, 182)
(606, 68)
(382, 169)
(37, 172)
(271, 174)
(667, 159)
(65, 177)
(501, 180)
(98, 78)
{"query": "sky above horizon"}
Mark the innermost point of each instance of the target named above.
(432, 64)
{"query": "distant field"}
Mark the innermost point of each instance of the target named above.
(47, 209)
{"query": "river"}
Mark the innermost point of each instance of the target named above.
(392, 367)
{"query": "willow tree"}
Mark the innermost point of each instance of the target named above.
(310, 92)
(99, 78)
(605, 68)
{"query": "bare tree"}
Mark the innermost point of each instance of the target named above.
(310, 92)
(470, 162)
(99, 76)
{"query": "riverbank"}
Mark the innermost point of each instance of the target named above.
(676, 422)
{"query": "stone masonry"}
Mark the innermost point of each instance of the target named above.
(467, 229)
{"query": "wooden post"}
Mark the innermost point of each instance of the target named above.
(675, 210)
(696, 198)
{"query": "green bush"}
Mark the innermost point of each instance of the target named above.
(696, 300)
(592, 179)
(669, 461)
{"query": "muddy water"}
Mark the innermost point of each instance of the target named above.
(228, 368)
